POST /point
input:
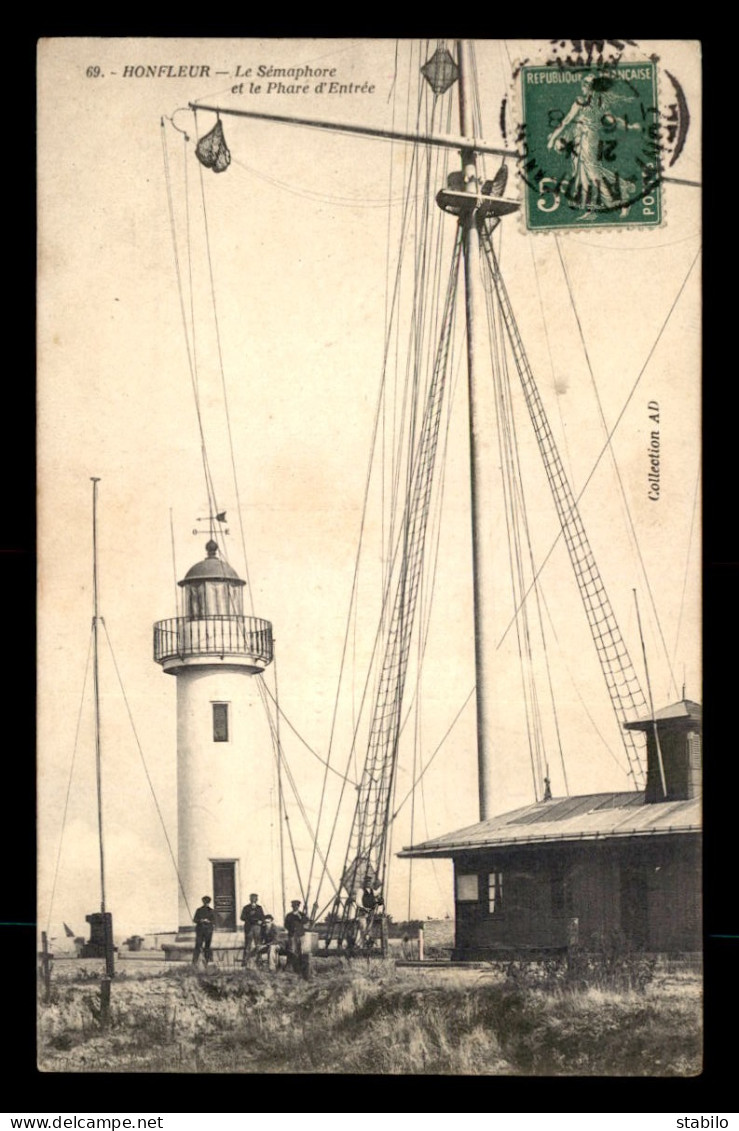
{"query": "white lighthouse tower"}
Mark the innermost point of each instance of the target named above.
(225, 764)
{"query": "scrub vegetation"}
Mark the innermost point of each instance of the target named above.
(368, 1017)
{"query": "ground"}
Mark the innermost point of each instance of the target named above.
(368, 1016)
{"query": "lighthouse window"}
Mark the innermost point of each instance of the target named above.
(495, 892)
(220, 722)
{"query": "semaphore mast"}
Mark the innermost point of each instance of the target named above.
(483, 455)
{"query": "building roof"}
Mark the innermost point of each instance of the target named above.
(685, 709)
(595, 816)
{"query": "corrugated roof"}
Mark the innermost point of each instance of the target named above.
(595, 816)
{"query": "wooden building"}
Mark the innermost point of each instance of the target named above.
(588, 869)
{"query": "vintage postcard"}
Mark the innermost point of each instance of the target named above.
(369, 511)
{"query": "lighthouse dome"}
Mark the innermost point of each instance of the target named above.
(213, 588)
(212, 568)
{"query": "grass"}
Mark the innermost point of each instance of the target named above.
(372, 1019)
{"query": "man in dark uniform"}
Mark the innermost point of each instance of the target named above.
(252, 917)
(371, 900)
(204, 920)
(296, 924)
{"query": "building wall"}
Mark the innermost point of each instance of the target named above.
(680, 747)
(224, 789)
(642, 891)
(438, 933)
(675, 896)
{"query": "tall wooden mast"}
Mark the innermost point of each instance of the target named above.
(482, 448)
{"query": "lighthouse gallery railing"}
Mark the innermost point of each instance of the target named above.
(215, 636)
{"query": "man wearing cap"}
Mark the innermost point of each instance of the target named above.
(252, 917)
(270, 942)
(296, 923)
(204, 920)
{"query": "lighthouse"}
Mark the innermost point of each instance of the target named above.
(225, 763)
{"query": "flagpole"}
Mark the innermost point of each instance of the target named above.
(105, 916)
(96, 686)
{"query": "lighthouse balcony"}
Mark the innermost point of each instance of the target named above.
(240, 641)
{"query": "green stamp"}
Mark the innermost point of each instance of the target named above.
(589, 146)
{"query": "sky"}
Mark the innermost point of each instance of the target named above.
(303, 232)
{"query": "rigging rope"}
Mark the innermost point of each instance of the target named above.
(579, 694)
(355, 578)
(69, 782)
(449, 730)
(626, 404)
(146, 768)
(280, 801)
(424, 313)
(435, 536)
(506, 446)
(263, 690)
(284, 817)
(517, 502)
(687, 557)
(190, 359)
(307, 745)
(545, 326)
(613, 458)
(627, 697)
(365, 858)
(221, 368)
(188, 246)
(321, 197)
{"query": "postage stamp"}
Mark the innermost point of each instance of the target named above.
(590, 145)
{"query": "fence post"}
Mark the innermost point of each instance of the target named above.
(420, 943)
(573, 939)
(46, 966)
(104, 1001)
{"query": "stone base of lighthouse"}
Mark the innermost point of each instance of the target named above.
(227, 947)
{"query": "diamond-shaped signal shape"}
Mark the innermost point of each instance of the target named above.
(440, 71)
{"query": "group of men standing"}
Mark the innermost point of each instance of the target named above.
(261, 934)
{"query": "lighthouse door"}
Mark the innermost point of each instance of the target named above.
(224, 894)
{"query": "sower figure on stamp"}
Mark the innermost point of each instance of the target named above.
(252, 917)
(296, 924)
(204, 920)
(579, 135)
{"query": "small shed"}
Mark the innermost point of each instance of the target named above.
(589, 868)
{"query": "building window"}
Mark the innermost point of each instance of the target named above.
(220, 722)
(495, 892)
(467, 889)
(560, 893)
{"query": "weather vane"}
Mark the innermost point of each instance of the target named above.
(211, 519)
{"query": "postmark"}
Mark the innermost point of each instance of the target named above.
(590, 145)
